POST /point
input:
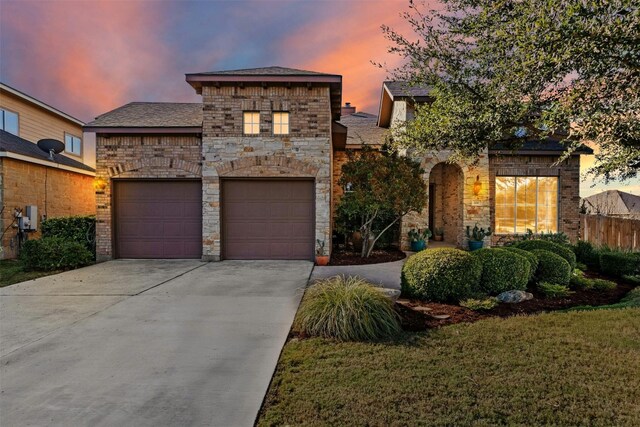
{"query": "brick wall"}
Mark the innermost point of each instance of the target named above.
(139, 156)
(568, 173)
(55, 192)
(304, 152)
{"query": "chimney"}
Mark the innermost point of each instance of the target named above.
(347, 109)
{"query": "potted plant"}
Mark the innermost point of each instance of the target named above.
(419, 239)
(476, 236)
(439, 234)
(321, 258)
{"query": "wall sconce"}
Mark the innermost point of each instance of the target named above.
(99, 184)
(477, 186)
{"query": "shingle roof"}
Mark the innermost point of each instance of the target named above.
(151, 114)
(362, 128)
(548, 144)
(400, 89)
(613, 202)
(265, 71)
(14, 144)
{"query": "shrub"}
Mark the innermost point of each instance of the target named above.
(479, 304)
(619, 263)
(578, 281)
(80, 229)
(560, 238)
(54, 253)
(563, 251)
(552, 268)
(587, 254)
(531, 258)
(502, 270)
(445, 275)
(552, 290)
(602, 285)
(347, 309)
(632, 278)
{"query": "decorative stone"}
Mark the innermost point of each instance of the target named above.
(392, 294)
(440, 316)
(514, 296)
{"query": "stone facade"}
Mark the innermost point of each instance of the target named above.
(56, 192)
(141, 157)
(304, 152)
(568, 173)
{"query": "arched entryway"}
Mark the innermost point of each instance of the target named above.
(445, 209)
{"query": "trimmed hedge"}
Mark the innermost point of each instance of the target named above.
(443, 275)
(552, 268)
(587, 254)
(563, 251)
(531, 258)
(502, 270)
(619, 263)
(54, 253)
(80, 229)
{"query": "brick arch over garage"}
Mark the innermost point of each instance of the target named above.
(156, 162)
(267, 166)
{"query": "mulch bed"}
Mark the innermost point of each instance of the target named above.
(377, 257)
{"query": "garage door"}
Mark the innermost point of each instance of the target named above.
(268, 219)
(158, 219)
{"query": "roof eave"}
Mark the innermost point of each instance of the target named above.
(144, 130)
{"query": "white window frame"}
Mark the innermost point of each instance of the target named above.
(2, 125)
(273, 124)
(515, 203)
(253, 124)
(72, 136)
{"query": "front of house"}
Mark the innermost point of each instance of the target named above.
(251, 172)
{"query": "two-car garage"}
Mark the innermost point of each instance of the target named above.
(260, 219)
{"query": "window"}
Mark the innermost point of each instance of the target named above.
(72, 144)
(526, 202)
(280, 123)
(251, 123)
(9, 121)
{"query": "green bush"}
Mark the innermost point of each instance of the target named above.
(587, 254)
(502, 270)
(347, 309)
(80, 229)
(531, 258)
(479, 304)
(603, 285)
(444, 275)
(559, 238)
(553, 290)
(552, 268)
(54, 253)
(619, 263)
(632, 278)
(562, 250)
(578, 281)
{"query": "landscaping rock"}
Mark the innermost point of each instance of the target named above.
(393, 294)
(514, 296)
(440, 316)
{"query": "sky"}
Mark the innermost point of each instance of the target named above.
(91, 56)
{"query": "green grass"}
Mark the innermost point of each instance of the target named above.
(11, 272)
(550, 369)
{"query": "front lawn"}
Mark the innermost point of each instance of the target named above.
(578, 368)
(11, 271)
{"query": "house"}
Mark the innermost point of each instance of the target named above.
(57, 184)
(251, 172)
(613, 203)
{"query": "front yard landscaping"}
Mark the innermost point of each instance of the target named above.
(577, 368)
(13, 271)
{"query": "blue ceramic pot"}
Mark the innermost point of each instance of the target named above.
(475, 245)
(418, 246)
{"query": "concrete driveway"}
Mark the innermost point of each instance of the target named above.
(145, 343)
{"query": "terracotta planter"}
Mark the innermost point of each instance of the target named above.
(356, 239)
(438, 238)
(322, 260)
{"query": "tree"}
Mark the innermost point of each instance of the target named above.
(380, 183)
(509, 71)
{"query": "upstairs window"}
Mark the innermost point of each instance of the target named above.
(9, 121)
(281, 123)
(526, 202)
(72, 144)
(251, 123)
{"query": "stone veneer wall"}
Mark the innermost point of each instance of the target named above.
(304, 152)
(139, 157)
(568, 173)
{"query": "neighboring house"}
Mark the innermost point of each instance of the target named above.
(56, 184)
(251, 172)
(613, 203)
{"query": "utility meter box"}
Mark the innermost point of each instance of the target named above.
(31, 212)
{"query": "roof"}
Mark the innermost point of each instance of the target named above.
(10, 143)
(393, 91)
(548, 145)
(363, 129)
(613, 202)
(151, 115)
(400, 89)
(264, 71)
(39, 103)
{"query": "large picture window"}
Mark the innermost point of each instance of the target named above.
(526, 202)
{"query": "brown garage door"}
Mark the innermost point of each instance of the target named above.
(268, 219)
(158, 219)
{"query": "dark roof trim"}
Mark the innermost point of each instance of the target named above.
(257, 78)
(536, 152)
(142, 130)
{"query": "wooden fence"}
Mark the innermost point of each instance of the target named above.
(621, 233)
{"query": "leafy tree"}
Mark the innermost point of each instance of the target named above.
(381, 185)
(508, 71)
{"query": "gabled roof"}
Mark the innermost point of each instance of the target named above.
(398, 91)
(363, 129)
(613, 202)
(264, 71)
(10, 143)
(34, 101)
(151, 115)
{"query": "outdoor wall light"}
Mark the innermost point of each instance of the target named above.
(99, 184)
(477, 186)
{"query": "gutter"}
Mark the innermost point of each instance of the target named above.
(10, 155)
